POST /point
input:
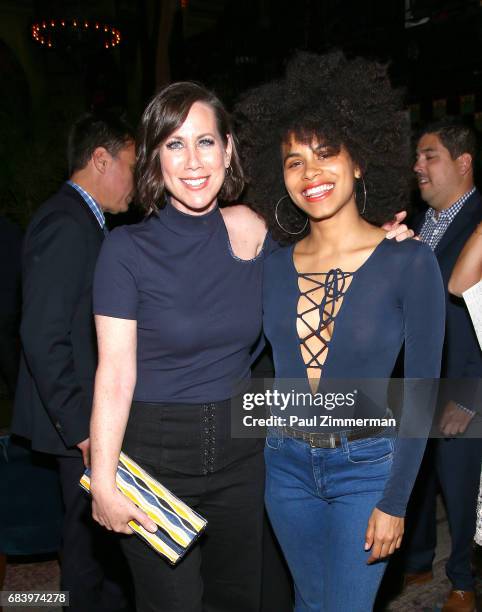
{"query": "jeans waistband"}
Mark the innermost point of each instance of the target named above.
(333, 439)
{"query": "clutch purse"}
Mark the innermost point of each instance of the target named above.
(178, 525)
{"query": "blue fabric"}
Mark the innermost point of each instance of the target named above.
(319, 502)
(396, 297)
(198, 307)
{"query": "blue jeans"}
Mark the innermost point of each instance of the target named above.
(319, 501)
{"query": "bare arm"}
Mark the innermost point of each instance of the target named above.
(468, 269)
(114, 386)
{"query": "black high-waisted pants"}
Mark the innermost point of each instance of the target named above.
(189, 449)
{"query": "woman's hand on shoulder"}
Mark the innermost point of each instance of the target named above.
(384, 534)
(396, 229)
(113, 511)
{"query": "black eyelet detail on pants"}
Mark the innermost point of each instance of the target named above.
(208, 438)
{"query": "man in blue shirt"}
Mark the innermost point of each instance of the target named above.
(444, 172)
(59, 353)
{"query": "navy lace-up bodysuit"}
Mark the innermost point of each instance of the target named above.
(343, 325)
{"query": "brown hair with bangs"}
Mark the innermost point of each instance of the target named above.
(314, 136)
(166, 112)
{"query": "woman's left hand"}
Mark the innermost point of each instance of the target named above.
(384, 534)
(396, 229)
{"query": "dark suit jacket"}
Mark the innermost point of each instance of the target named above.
(462, 357)
(10, 255)
(59, 352)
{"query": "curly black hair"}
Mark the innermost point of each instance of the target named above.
(335, 101)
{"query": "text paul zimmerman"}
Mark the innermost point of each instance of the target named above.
(319, 420)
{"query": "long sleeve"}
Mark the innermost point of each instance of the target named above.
(54, 264)
(424, 319)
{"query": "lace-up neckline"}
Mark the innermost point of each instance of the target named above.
(320, 299)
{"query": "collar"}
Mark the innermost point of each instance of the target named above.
(189, 225)
(452, 210)
(91, 203)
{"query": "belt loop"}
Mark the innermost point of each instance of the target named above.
(344, 442)
(333, 440)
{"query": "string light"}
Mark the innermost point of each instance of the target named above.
(44, 32)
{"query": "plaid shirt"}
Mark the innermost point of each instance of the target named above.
(434, 228)
(92, 204)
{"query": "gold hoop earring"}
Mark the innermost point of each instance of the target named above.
(277, 220)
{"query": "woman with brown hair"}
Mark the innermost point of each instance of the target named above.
(177, 300)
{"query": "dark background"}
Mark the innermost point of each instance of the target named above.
(433, 47)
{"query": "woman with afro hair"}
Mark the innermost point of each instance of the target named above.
(326, 153)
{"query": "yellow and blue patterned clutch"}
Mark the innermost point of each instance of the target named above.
(178, 525)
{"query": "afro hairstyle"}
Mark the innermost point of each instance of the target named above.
(335, 101)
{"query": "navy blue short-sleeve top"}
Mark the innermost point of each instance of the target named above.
(198, 307)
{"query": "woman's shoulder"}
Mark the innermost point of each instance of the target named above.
(279, 258)
(127, 234)
(411, 258)
(245, 228)
(123, 242)
(408, 248)
(242, 217)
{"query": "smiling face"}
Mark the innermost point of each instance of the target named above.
(438, 175)
(194, 160)
(319, 179)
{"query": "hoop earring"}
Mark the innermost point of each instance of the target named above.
(362, 212)
(277, 220)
